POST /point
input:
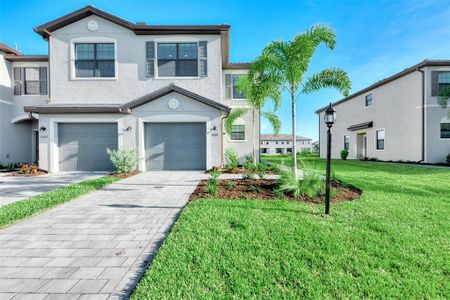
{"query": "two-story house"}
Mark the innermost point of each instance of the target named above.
(397, 118)
(110, 83)
(282, 144)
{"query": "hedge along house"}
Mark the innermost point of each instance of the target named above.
(162, 90)
(397, 118)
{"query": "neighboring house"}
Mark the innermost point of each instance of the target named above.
(315, 147)
(109, 83)
(282, 144)
(397, 118)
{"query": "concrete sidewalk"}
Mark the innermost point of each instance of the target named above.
(14, 189)
(96, 246)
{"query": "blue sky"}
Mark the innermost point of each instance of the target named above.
(374, 38)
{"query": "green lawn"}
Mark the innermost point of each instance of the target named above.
(20, 210)
(394, 242)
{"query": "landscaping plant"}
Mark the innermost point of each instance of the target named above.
(282, 67)
(124, 160)
(212, 185)
(248, 176)
(229, 185)
(344, 154)
(231, 158)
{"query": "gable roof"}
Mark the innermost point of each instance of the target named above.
(173, 88)
(416, 67)
(223, 30)
(8, 50)
(281, 137)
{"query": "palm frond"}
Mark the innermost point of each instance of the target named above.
(232, 117)
(444, 98)
(274, 120)
(331, 77)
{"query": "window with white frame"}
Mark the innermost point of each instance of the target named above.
(445, 130)
(231, 87)
(369, 100)
(379, 135)
(238, 133)
(443, 81)
(94, 60)
(347, 142)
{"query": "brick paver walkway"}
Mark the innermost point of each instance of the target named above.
(94, 247)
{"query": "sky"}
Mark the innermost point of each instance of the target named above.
(375, 39)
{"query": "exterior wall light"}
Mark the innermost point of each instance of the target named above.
(128, 128)
(42, 128)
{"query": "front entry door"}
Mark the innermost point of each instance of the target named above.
(361, 145)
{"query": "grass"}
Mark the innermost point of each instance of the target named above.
(392, 243)
(17, 211)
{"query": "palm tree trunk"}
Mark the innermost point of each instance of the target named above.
(254, 137)
(294, 134)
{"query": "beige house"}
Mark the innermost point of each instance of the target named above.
(397, 118)
(282, 144)
(110, 83)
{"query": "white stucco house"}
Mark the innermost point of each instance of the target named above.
(110, 83)
(397, 118)
(282, 144)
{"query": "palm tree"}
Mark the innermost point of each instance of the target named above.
(283, 65)
(257, 94)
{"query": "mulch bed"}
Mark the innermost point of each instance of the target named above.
(244, 189)
(17, 174)
(242, 170)
(125, 175)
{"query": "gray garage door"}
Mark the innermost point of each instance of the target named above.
(175, 146)
(82, 146)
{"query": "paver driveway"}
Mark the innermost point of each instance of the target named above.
(14, 189)
(96, 246)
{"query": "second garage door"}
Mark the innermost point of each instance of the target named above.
(175, 146)
(82, 146)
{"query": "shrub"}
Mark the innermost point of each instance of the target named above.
(231, 159)
(344, 154)
(448, 158)
(254, 188)
(261, 175)
(248, 176)
(312, 183)
(125, 161)
(211, 187)
(214, 173)
(229, 185)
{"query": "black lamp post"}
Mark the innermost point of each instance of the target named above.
(329, 118)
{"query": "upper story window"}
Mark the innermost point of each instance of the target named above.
(347, 142)
(30, 80)
(445, 130)
(369, 100)
(94, 60)
(440, 80)
(231, 87)
(177, 59)
(379, 136)
(238, 133)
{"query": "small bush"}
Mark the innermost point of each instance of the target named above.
(373, 159)
(248, 176)
(312, 183)
(261, 175)
(229, 185)
(448, 158)
(211, 187)
(214, 173)
(254, 188)
(231, 158)
(125, 161)
(344, 154)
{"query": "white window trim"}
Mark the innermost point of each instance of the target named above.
(365, 102)
(348, 142)
(92, 40)
(162, 41)
(232, 88)
(443, 120)
(27, 65)
(375, 136)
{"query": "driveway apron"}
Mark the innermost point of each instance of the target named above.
(96, 246)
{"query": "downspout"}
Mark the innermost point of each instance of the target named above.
(423, 114)
(259, 135)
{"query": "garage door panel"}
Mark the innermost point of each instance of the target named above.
(175, 146)
(82, 146)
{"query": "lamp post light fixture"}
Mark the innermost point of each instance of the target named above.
(330, 119)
